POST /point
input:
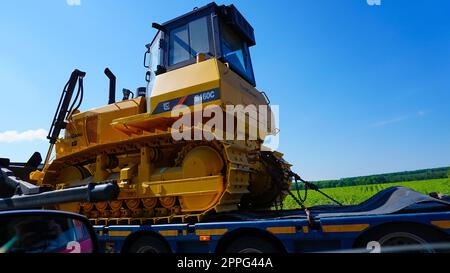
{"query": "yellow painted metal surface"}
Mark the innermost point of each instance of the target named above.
(169, 233)
(236, 91)
(128, 173)
(197, 77)
(118, 233)
(305, 229)
(201, 185)
(93, 127)
(282, 230)
(444, 224)
(210, 232)
(345, 228)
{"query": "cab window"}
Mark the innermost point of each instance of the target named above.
(189, 40)
(235, 52)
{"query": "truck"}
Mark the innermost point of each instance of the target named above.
(166, 185)
(396, 219)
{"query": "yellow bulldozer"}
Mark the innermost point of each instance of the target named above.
(195, 61)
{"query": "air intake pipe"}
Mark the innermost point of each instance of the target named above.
(112, 86)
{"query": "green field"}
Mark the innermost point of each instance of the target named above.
(357, 194)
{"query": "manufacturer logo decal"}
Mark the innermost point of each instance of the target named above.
(190, 100)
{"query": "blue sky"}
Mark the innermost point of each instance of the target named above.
(362, 89)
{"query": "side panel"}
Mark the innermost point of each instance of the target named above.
(332, 235)
(185, 81)
(93, 127)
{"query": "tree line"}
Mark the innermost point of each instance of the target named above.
(425, 174)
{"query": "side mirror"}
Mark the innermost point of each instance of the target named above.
(46, 232)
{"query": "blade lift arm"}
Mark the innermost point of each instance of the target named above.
(65, 109)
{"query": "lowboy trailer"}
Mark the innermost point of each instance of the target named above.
(394, 220)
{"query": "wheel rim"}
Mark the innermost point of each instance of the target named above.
(400, 242)
(147, 249)
(250, 251)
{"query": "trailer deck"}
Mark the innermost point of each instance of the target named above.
(319, 229)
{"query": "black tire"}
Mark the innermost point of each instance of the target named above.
(404, 239)
(149, 244)
(251, 244)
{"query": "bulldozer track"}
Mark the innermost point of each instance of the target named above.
(239, 158)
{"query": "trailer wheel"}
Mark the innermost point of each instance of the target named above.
(251, 244)
(148, 244)
(403, 239)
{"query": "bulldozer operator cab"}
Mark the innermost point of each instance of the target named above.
(209, 32)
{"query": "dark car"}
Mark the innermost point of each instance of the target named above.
(42, 231)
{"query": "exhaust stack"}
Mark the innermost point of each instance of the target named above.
(112, 86)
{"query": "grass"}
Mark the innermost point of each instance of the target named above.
(357, 194)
